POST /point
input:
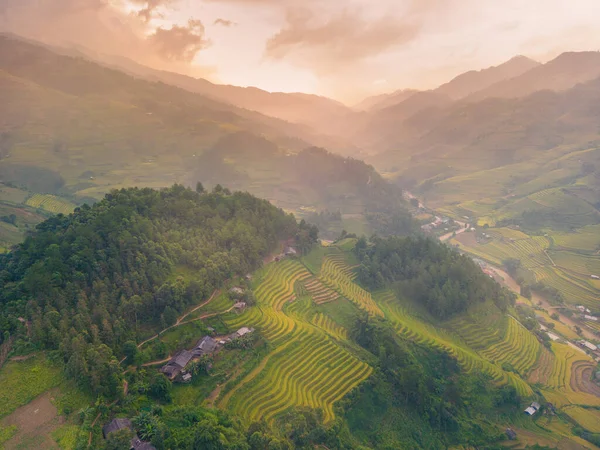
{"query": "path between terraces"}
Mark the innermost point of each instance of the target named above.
(204, 316)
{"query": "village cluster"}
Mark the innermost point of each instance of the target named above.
(175, 369)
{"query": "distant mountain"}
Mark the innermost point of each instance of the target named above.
(306, 109)
(459, 87)
(476, 80)
(384, 100)
(563, 72)
(381, 124)
(467, 137)
(77, 129)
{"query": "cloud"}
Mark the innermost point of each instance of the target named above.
(327, 44)
(224, 22)
(149, 8)
(180, 43)
(112, 27)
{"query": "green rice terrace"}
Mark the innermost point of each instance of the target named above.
(311, 362)
(305, 318)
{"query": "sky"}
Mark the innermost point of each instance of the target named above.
(344, 49)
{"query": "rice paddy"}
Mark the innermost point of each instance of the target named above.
(50, 203)
(307, 366)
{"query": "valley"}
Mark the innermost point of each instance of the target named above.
(185, 264)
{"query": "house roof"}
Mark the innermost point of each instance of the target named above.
(531, 411)
(116, 425)
(181, 359)
(206, 344)
(535, 405)
(244, 330)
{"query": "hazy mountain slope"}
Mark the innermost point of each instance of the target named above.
(457, 88)
(563, 72)
(76, 129)
(495, 131)
(73, 116)
(384, 100)
(476, 80)
(305, 109)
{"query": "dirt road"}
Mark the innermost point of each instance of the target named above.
(510, 283)
(180, 319)
(463, 227)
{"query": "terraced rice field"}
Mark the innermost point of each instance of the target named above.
(518, 347)
(586, 239)
(505, 342)
(542, 370)
(583, 264)
(325, 323)
(307, 367)
(530, 250)
(566, 379)
(575, 292)
(319, 292)
(420, 331)
(338, 275)
(50, 203)
(587, 418)
(563, 202)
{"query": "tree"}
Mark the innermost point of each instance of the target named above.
(526, 291)
(555, 316)
(414, 202)
(160, 388)
(199, 188)
(130, 350)
(578, 330)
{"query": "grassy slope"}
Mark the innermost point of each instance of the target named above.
(310, 361)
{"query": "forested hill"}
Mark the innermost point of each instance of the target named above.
(329, 190)
(90, 281)
(436, 276)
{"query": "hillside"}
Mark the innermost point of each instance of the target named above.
(477, 80)
(563, 72)
(384, 100)
(308, 110)
(330, 361)
(74, 129)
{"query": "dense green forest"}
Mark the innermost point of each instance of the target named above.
(419, 397)
(107, 274)
(428, 272)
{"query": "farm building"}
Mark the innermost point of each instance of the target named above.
(595, 277)
(177, 364)
(116, 425)
(592, 318)
(237, 291)
(290, 251)
(205, 346)
(186, 378)
(239, 305)
(510, 434)
(120, 424)
(589, 345)
(243, 331)
(532, 409)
